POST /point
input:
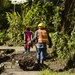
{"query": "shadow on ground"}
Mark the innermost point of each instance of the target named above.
(35, 67)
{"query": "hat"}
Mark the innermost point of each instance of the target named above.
(41, 25)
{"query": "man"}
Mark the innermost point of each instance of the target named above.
(41, 39)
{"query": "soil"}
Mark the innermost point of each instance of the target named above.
(27, 62)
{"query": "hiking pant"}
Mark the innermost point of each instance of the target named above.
(40, 54)
(27, 49)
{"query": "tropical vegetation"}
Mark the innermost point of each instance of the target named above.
(57, 15)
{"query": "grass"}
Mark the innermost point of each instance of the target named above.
(49, 72)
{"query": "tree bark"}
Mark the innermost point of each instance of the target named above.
(65, 23)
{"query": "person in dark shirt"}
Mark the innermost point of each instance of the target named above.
(27, 38)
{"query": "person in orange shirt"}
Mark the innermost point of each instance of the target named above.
(41, 38)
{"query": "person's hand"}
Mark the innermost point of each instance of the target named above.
(29, 42)
(24, 42)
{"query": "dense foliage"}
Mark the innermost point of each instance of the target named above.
(48, 72)
(58, 16)
(32, 15)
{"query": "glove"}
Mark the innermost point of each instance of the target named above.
(24, 42)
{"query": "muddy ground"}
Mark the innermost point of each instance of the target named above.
(27, 62)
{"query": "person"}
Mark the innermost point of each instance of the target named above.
(27, 38)
(41, 38)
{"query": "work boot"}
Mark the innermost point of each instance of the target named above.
(38, 61)
(41, 61)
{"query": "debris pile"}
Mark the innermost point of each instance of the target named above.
(27, 61)
(6, 54)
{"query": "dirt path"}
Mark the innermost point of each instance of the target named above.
(17, 48)
(15, 70)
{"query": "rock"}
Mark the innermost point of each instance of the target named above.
(1, 68)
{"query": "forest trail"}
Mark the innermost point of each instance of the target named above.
(17, 48)
(15, 70)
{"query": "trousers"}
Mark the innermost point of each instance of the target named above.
(27, 49)
(40, 53)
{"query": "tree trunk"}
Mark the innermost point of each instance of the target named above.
(65, 23)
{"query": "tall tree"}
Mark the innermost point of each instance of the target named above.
(69, 4)
(4, 7)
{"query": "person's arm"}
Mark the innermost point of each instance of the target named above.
(50, 41)
(24, 38)
(24, 35)
(31, 35)
(34, 38)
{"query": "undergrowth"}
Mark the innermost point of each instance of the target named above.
(49, 72)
